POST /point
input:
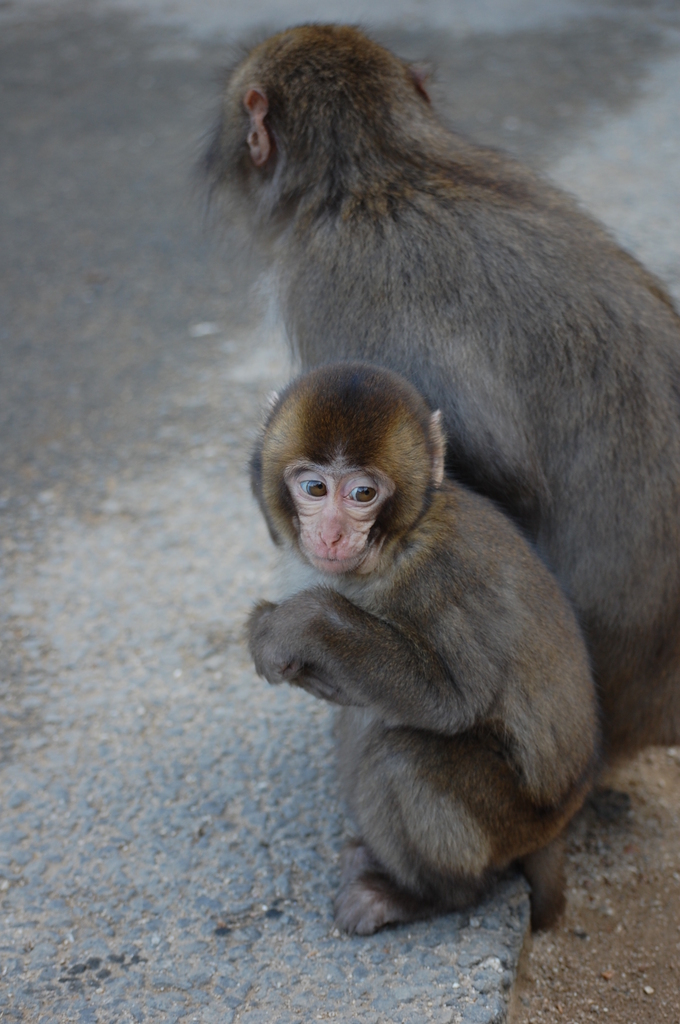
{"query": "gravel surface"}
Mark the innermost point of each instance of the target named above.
(173, 828)
(170, 824)
(616, 953)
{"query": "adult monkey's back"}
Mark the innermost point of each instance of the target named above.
(554, 356)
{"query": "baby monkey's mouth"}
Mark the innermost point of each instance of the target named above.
(338, 564)
(362, 562)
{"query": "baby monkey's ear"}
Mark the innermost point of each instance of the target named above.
(438, 442)
(270, 401)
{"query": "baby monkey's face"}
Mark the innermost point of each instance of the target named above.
(336, 509)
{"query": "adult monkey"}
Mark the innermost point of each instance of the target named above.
(553, 355)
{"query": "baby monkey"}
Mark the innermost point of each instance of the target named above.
(468, 729)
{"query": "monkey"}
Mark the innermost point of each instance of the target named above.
(553, 355)
(468, 728)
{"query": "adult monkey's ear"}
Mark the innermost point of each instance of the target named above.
(258, 140)
(420, 75)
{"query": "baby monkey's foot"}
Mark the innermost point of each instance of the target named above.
(368, 899)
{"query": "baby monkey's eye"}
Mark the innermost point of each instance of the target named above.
(363, 493)
(315, 488)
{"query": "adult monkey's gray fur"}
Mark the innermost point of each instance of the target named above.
(554, 356)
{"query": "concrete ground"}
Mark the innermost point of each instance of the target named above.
(170, 824)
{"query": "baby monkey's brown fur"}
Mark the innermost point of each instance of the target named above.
(468, 732)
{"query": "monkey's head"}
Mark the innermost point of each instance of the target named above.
(312, 108)
(347, 460)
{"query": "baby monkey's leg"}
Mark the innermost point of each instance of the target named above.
(439, 817)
